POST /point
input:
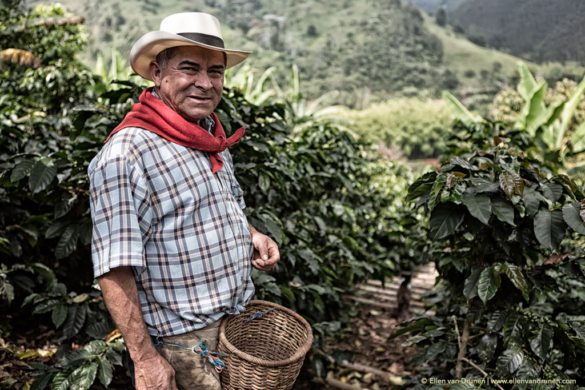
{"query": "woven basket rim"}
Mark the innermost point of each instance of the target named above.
(300, 354)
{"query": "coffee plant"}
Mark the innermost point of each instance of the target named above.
(508, 246)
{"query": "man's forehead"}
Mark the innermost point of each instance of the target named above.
(198, 54)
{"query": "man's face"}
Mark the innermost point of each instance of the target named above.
(192, 82)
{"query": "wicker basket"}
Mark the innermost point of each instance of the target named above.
(264, 347)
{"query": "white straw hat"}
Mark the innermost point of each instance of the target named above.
(182, 29)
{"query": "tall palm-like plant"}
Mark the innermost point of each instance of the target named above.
(300, 112)
(556, 139)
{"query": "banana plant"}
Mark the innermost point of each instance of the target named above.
(300, 112)
(117, 70)
(550, 126)
(259, 91)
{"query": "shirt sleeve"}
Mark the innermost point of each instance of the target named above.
(120, 215)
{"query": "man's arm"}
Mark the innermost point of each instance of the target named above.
(151, 370)
(266, 253)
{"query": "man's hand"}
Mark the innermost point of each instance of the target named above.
(266, 253)
(154, 373)
(151, 370)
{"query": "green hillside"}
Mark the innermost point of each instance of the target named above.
(476, 66)
(540, 30)
(368, 50)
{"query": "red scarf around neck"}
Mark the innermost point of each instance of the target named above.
(150, 113)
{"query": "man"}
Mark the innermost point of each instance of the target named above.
(171, 247)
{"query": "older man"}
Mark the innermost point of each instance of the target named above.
(172, 248)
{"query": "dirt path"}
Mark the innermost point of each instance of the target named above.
(377, 364)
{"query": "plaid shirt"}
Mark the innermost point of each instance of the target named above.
(157, 207)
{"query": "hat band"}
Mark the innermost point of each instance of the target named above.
(210, 40)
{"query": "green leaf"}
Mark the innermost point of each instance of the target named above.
(318, 302)
(45, 306)
(83, 377)
(511, 359)
(321, 224)
(572, 217)
(470, 286)
(527, 83)
(535, 112)
(461, 163)
(42, 382)
(288, 293)
(264, 182)
(578, 139)
(569, 113)
(21, 170)
(488, 284)
(482, 185)
(496, 320)
(503, 210)
(42, 174)
(436, 189)
(421, 186)
(460, 111)
(532, 200)
(479, 206)
(106, 372)
(554, 112)
(64, 206)
(445, 219)
(552, 191)
(96, 347)
(60, 382)
(46, 274)
(434, 350)
(75, 320)
(542, 343)
(59, 315)
(511, 183)
(55, 229)
(311, 260)
(68, 242)
(273, 228)
(549, 228)
(98, 329)
(6, 291)
(514, 273)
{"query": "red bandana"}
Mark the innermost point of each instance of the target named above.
(153, 115)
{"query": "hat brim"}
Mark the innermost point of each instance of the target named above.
(146, 49)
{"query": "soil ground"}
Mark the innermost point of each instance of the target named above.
(373, 362)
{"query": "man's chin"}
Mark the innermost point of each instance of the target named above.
(196, 115)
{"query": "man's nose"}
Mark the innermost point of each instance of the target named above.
(203, 81)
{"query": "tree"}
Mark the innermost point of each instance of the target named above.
(441, 17)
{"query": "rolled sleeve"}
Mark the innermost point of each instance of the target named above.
(120, 210)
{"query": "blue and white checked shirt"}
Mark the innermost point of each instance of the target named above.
(156, 206)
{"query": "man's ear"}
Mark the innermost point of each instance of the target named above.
(155, 73)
